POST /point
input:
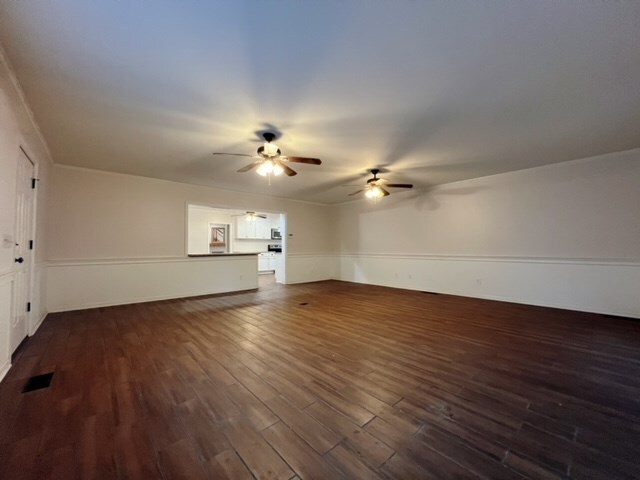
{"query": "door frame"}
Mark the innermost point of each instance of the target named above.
(32, 325)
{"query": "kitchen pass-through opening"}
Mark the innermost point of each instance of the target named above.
(213, 230)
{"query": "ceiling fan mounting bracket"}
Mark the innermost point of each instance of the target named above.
(269, 136)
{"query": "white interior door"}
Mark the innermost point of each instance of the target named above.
(23, 257)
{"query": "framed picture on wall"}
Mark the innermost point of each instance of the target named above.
(218, 236)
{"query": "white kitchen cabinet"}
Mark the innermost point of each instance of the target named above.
(262, 263)
(266, 262)
(258, 228)
(263, 228)
(242, 228)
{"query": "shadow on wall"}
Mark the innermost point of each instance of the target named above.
(421, 199)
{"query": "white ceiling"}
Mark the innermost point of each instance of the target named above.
(432, 91)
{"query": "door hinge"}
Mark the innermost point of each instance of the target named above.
(28, 306)
(33, 182)
(30, 244)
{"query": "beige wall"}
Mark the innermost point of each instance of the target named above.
(199, 219)
(102, 215)
(18, 130)
(120, 239)
(582, 209)
(565, 235)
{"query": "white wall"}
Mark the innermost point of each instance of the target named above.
(564, 235)
(96, 218)
(199, 219)
(17, 129)
(95, 283)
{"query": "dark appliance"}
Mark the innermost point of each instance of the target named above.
(274, 247)
(275, 234)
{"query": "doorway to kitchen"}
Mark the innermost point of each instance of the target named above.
(215, 230)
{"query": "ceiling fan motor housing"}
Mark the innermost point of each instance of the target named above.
(269, 137)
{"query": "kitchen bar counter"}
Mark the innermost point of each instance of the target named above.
(239, 254)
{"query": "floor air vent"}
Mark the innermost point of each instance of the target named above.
(38, 382)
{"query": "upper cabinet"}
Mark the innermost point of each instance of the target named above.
(255, 229)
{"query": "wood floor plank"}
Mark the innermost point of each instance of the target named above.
(347, 461)
(359, 382)
(319, 437)
(256, 453)
(358, 414)
(302, 458)
(208, 435)
(228, 465)
(251, 408)
(372, 450)
(180, 461)
(462, 454)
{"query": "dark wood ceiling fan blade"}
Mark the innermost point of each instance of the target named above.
(355, 193)
(384, 192)
(399, 185)
(250, 167)
(232, 154)
(288, 170)
(310, 161)
(260, 216)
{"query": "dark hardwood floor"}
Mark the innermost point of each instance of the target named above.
(325, 380)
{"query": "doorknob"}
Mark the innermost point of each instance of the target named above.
(19, 260)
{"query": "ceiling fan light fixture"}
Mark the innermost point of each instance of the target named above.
(374, 192)
(269, 167)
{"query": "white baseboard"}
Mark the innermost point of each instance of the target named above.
(38, 323)
(599, 286)
(4, 369)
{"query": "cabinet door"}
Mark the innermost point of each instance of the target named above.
(263, 229)
(263, 263)
(251, 229)
(245, 228)
(241, 228)
(272, 263)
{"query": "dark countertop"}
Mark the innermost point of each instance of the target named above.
(222, 254)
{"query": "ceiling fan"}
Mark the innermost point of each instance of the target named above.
(251, 215)
(269, 159)
(376, 187)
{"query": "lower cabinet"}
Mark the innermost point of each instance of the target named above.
(266, 263)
